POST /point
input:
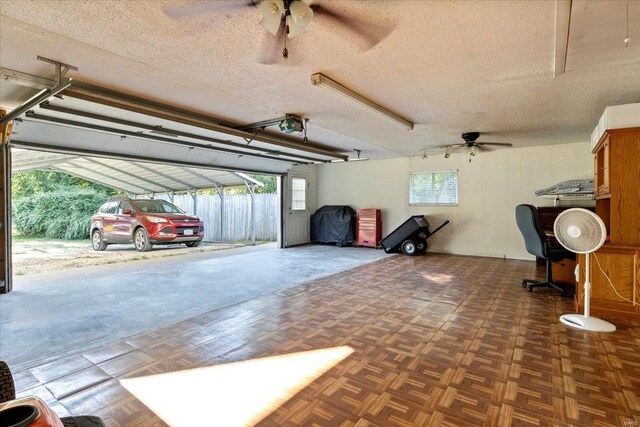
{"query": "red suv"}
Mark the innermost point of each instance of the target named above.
(143, 222)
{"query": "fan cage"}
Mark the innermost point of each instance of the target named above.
(591, 230)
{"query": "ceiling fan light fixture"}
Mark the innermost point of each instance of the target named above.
(293, 30)
(300, 13)
(271, 26)
(271, 10)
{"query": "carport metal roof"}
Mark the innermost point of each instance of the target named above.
(134, 177)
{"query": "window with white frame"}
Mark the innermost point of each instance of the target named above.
(298, 194)
(434, 188)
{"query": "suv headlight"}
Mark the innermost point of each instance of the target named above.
(156, 219)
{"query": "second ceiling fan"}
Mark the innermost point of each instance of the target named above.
(472, 146)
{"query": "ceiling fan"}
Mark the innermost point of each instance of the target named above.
(286, 19)
(472, 146)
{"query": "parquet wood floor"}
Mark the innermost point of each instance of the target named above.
(437, 340)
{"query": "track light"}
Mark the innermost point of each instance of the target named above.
(324, 82)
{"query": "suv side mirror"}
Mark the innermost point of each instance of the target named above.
(126, 212)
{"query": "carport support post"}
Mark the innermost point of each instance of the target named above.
(220, 191)
(194, 196)
(5, 208)
(251, 190)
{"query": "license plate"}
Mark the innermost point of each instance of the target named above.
(188, 232)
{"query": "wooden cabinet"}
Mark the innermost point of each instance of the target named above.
(617, 184)
(601, 169)
(622, 266)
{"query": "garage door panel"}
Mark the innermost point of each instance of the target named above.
(69, 138)
(92, 108)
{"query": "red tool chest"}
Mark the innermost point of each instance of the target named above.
(368, 228)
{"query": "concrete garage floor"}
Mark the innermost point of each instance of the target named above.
(51, 315)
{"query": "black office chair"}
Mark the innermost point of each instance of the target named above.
(538, 244)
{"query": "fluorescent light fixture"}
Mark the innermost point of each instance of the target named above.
(358, 100)
(350, 160)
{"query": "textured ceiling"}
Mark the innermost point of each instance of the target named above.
(448, 66)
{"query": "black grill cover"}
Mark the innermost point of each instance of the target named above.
(333, 224)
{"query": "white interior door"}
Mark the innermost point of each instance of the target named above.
(296, 210)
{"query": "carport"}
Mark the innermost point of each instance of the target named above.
(140, 178)
(134, 144)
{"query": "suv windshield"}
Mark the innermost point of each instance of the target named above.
(155, 206)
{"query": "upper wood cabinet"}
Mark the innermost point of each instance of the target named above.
(602, 158)
(617, 184)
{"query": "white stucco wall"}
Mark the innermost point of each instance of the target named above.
(489, 188)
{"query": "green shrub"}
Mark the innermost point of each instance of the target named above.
(61, 214)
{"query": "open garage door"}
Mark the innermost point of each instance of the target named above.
(102, 127)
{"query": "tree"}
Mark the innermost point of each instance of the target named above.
(43, 181)
(270, 185)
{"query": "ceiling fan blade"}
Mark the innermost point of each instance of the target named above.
(481, 148)
(452, 146)
(271, 47)
(365, 35)
(502, 144)
(180, 12)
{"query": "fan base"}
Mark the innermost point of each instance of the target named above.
(593, 324)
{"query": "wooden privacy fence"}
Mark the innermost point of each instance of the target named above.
(235, 217)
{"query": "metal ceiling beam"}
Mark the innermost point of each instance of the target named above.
(246, 178)
(108, 177)
(290, 157)
(135, 104)
(21, 165)
(60, 168)
(163, 175)
(41, 96)
(29, 145)
(203, 177)
(121, 132)
(132, 175)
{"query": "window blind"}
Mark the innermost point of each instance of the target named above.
(434, 188)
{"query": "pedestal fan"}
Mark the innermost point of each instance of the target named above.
(582, 232)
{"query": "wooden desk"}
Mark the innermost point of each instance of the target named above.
(564, 272)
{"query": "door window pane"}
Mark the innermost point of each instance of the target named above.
(298, 194)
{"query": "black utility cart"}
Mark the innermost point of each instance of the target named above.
(411, 237)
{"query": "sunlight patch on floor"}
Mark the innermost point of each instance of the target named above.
(233, 394)
(438, 278)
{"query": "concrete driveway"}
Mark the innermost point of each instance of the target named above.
(50, 315)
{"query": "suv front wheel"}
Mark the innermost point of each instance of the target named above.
(96, 241)
(141, 240)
